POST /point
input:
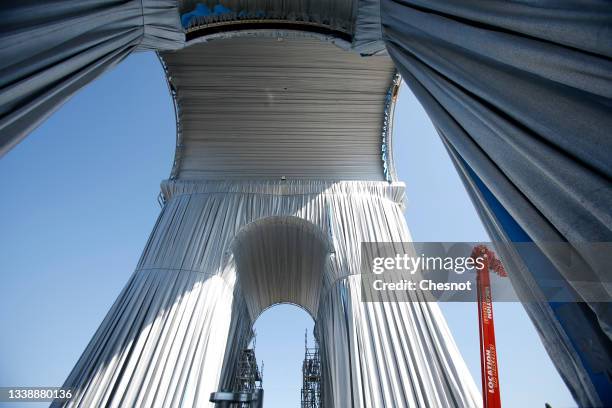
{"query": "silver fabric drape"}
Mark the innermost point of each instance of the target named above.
(380, 354)
(367, 34)
(260, 108)
(521, 93)
(560, 347)
(221, 253)
(51, 49)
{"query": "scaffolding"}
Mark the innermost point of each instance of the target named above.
(248, 377)
(311, 376)
(247, 391)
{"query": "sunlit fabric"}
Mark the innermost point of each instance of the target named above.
(521, 94)
(221, 253)
(268, 107)
(51, 49)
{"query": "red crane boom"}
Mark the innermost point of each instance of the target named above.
(488, 351)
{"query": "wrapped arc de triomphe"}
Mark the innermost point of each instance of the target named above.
(284, 149)
(279, 176)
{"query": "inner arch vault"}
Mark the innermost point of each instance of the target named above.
(282, 259)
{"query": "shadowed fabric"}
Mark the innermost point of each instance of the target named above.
(367, 37)
(221, 253)
(336, 14)
(569, 337)
(51, 49)
(521, 95)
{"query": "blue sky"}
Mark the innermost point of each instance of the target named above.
(79, 201)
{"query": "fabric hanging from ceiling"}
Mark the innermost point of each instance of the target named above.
(566, 346)
(367, 34)
(51, 49)
(214, 262)
(521, 95)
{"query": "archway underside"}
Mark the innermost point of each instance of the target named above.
(281, 259)
(274, 107)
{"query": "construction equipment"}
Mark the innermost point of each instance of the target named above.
(247, 389)
(311, 376)
(488, 351)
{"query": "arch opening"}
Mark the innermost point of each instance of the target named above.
(280, 353)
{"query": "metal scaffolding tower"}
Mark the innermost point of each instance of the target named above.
(311, 376)
(248, 376)
(247, 389)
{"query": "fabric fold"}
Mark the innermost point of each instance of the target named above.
(223, 252)
(51, 49)
(521, 95)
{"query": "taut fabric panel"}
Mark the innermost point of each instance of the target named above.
(522, 94)
(51, 49)
(260, 108)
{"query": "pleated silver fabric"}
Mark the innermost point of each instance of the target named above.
(264, 108)
(389, 354)
(221, 253)
(51, 49)
(559, 346)
(521, 93)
